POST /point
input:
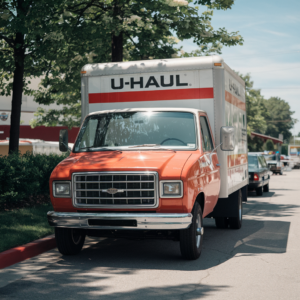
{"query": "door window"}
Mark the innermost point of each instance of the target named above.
(262, 161)
(205, 135)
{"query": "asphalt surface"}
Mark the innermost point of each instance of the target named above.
(259, 261)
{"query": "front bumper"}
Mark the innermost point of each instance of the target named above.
(132, 221)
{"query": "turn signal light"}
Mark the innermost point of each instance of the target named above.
(83, 72)
(256, 177)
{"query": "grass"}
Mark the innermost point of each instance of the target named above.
(21, 226)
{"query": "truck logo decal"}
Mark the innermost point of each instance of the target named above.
(150, 82)
(233, 87)
(112, 191)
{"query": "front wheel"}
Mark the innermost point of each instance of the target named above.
(69, 240)
(191, 239)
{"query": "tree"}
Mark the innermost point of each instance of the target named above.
(29, 30)
(279, 118)
(134, 30)
(269, 145)
(298, 134)
(256, 114)
(284, 149)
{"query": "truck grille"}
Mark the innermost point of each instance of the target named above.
(115, 189)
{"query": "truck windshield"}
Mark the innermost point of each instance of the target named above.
(129, 130)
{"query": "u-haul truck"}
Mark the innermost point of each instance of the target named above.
(162, 145)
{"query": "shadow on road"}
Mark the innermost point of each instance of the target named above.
(261, 208)
(82, 275)
(264, 195)
(85, 276)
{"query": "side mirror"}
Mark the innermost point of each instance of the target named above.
(63, 140)
(227, 138)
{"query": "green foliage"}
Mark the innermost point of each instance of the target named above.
(256, 114)
(30, 35)
(24, 225)
(285, 149)
(25, 175)
(270, 117)
(148, 29)
(279, 118)
(269, 145)
(255, 144)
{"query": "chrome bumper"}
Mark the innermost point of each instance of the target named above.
(138, 221)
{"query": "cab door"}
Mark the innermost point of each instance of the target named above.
(211, 168)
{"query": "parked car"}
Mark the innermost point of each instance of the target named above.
(259, 174)
(274, 163)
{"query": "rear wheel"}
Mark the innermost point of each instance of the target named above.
(236, 223)
(191, 238)
(69, 240)
(259, 191)
(266, 188)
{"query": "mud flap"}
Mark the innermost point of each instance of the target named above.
(244, 193)
(227, 207)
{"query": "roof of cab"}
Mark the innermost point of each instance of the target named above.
(157, 109)
(153, 65)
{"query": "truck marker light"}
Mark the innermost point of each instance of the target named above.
(217, 64)
(83, 72)
(256, 177)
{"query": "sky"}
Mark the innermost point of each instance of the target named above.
(271, 50)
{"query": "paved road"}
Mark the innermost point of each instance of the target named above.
(259, 261)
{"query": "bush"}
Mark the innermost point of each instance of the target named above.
(269, 145)
(284, 149)
(26, 175)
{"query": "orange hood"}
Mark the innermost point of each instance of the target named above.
(168, 164)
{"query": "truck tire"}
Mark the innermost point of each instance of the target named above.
(69, 241)
(236, 223)
(221, 222)
(190, 240)
(266, 188)
(259, 191)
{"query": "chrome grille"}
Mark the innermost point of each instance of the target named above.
(115, 189)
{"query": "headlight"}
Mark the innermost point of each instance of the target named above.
(61, 189)
(171, 189)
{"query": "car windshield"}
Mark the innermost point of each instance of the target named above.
(129, 130)
(252, 161)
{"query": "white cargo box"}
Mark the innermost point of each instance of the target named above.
(204, 83)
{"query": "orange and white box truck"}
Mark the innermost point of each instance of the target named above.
(162, 145)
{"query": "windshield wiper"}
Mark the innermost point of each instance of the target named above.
(101, 148)
(145, 145)
(157, 146)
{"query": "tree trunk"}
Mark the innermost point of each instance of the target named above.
(117, 48)
(16, 103)
(117, 40)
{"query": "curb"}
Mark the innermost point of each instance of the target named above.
(18, 254)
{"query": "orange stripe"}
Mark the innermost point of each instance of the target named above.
(235, 101)
(200, 93)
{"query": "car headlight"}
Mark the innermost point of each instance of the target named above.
(171, 189)
(61, 189)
